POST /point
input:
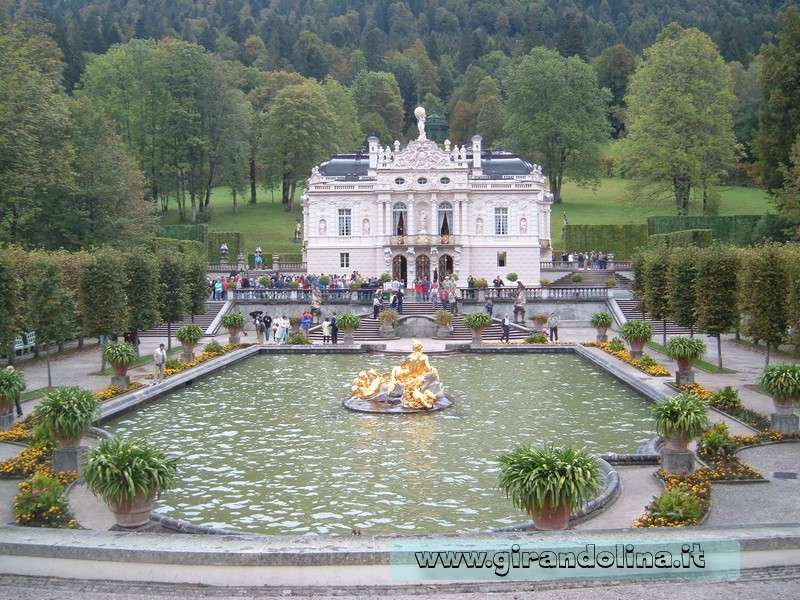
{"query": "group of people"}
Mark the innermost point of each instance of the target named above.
(275, 330)
(594, 261)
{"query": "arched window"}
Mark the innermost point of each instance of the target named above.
(445, 222)
(399, 217)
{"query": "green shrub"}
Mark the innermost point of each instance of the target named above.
(385, 278)
(684, 414)
(545, 282)
(577, 277)
(443, 318)
(214, 347)
(647, 361)
(602, 319)
(616, 344)
(781, 380)
(298, 339)
(636, 331)
(676, 505)
(41, 502)
(512, 277)
(189, 334)
(536, 338)
(685, 348)
(610, 282)
(119, 354)
(172, 363)
(348, 321)
(11, 384)
(726, 399)
(716, 441)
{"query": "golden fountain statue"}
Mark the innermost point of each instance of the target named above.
(415, 381)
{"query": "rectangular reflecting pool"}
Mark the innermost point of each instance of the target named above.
(266, 446)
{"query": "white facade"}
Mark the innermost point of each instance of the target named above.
(424, 211)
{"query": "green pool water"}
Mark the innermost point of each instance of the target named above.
(267, 447)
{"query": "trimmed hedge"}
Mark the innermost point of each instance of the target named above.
(235, 241)
(622, 240)
(734, 229)
(163, 246)
(193, 233)
(701, 238)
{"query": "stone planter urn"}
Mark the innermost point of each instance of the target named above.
(637, 349)
(387, 330)
(684, 375)
(601, 334)
(551, 519)
(444, 331)
(136, 513)
(783, 420)
(121, 377)
(477, 337)
(675, 454)
(349, 340)
(234, 336)
(188, 352)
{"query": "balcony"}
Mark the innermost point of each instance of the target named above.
(423, 240)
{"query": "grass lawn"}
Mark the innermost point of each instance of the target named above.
(269, 225)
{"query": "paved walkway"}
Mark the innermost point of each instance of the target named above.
(732, 503)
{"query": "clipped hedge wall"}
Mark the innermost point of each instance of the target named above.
(194, 233)
(729, 229)
(700, 238)
(234, 239)
(622, 240)
(163, 246)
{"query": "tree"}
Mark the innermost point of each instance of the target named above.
(557, 116)
(787, 198)
(780, 117)
(301, 130)
(8, 303)
(196, 286)
(654, 296)
(378, 92)
(681, 282)
(614, 68)
(679, 124)
(716, 292)
(51, 308)
(141, 286)
(763, 292)
(570, 38)
(173, 301)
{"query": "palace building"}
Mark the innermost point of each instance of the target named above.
(425, 211)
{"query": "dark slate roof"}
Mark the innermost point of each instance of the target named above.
(495, 164)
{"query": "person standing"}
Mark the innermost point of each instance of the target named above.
(269, 332)
(326, 331)
(260, 329)
(506, 323)
(376, 305)
(552, 323)
(400, 300)
(489, 306)
(305, 323)
(334, 330)
(160, 358)
(283, 327)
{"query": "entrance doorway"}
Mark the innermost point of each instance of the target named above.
(423, 267)
(400, 269)
(445, 266)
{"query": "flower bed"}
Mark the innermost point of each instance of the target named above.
(727, 401)
(41, 501)
(200, 358)
(113, 391)
(646, 363)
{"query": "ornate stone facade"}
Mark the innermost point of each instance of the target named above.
(426, 211)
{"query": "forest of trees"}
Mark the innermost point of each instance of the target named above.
(113, 109)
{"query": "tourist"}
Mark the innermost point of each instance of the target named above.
(489, 306)
(305, 322)
(160, 358)
(334, 330)
(282, 333)
(400, 296)
(326, 331)
(426, 288)
(269, 329)
(444, 295)
(498, 282)
(434, 294)
(418, 290)
(260, 329)
(376, 305)
(552, 324)
(506, 323)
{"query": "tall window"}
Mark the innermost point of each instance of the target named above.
(501, 259)
(344, 260)
(445, 218)
(399, 217)
(501, 221)
(345, 222)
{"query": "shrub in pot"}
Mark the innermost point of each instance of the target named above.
(512, 277)
(610, 282)
(782, 382)
(685, 350)
(444, 323)
(545, 282)
(385, 278)
(549, 481)
(477, 322)
(536, 338)
(234, 323)
(577, 277)
(636, 333)
(539, 319)
(601, 321)
(128, 475)
(66, 413)
(679, 420)
(119, 355)
(189, 335)
(348, 323)
(298, 339)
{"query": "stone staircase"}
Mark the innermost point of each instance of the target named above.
(203, 321)
(630, 310)
(370, 328)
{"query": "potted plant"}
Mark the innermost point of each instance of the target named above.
(544, 282)
(477, 321)
(684, 351)
(782, 382)
(679, 420)
(234, 322)
(388, 319)
(577, 277)
(66, 413)
(294, 323)
(444, 323)
(610, 282)
(119, 355)
(128, 475)
(512, 277)
(188, 336)
(348, 323)
(636, 333)
(601, 321)
(539, 320)
(549, 482)
(11, 385)
(385, 278)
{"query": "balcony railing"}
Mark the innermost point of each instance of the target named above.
(423, 240)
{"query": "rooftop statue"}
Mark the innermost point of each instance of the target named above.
(415, 381)
(419, 112)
